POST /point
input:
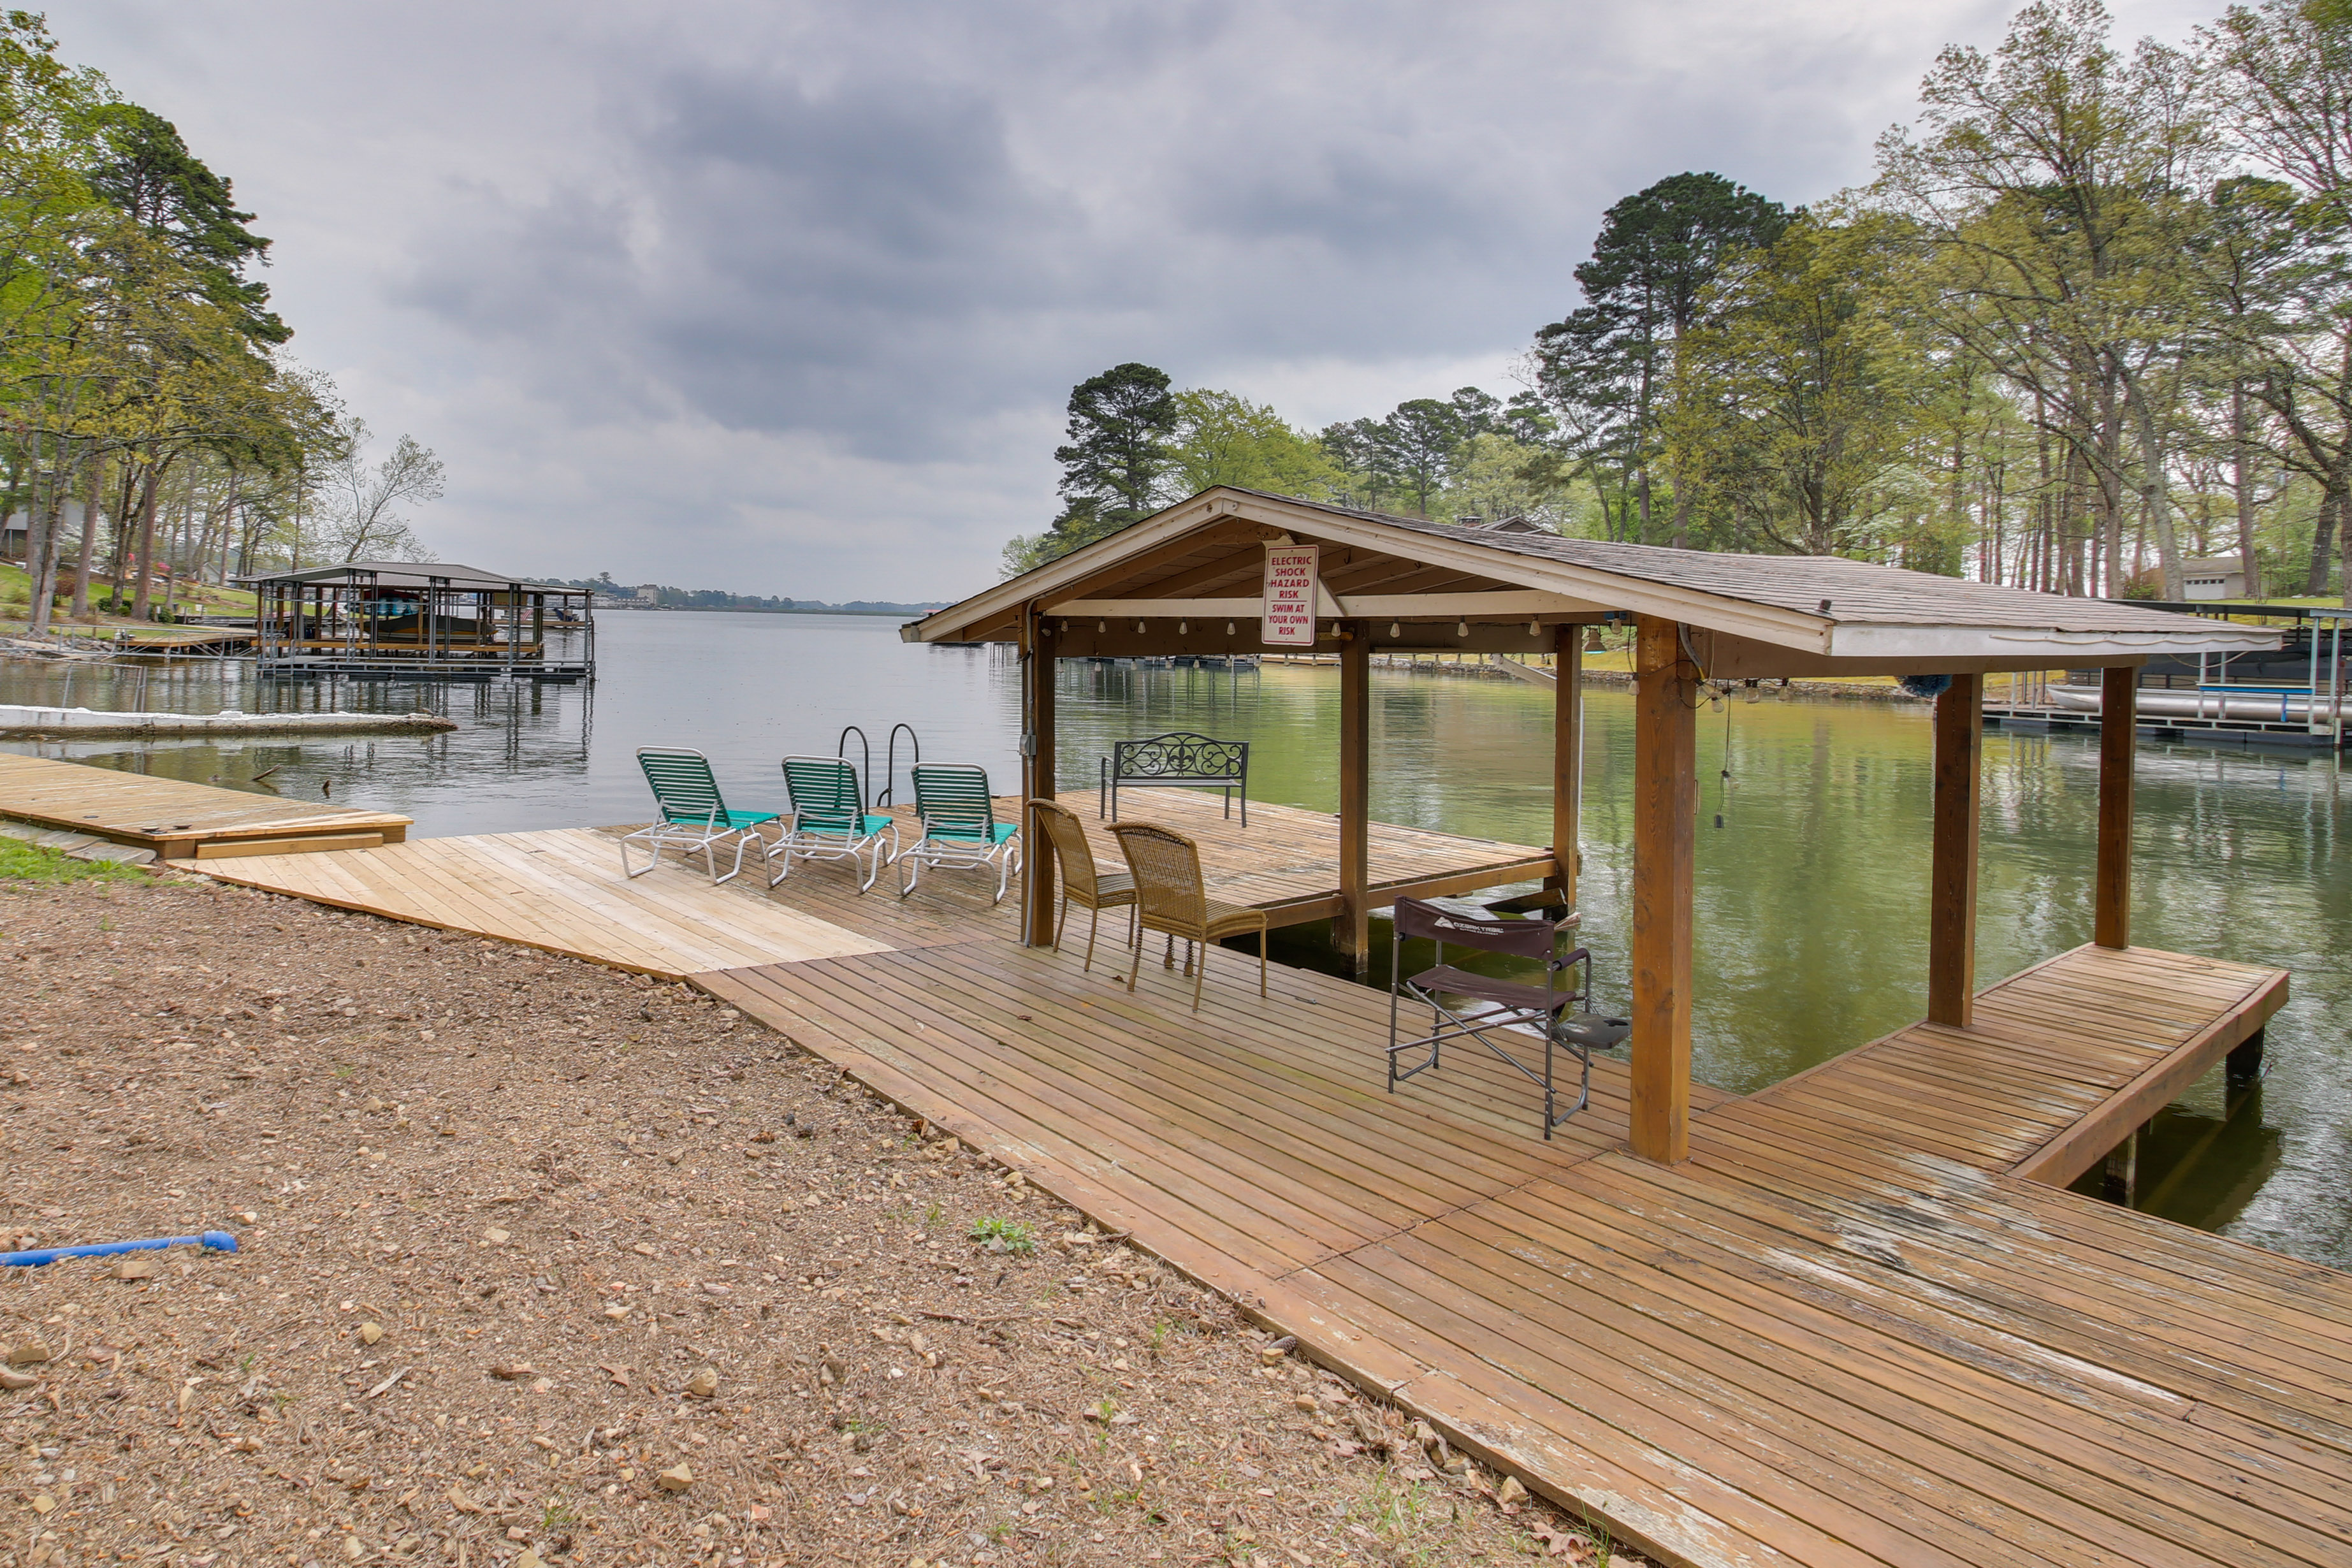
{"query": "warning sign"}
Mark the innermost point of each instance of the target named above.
(1290, 583)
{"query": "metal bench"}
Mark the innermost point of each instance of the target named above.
(1175, 761)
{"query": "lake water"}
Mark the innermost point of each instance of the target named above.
(1811, 897)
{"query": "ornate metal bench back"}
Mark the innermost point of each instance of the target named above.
(1180, 758)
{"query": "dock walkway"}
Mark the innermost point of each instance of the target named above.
(175, 819)
(1852, 1329)
(563, 891)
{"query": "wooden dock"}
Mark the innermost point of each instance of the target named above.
(1846, 1332)
(177, 820)
(1852, 1329)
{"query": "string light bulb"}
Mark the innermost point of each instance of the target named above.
(1535, 628)
(1182, 628)
(1102, 625)
(1396, 629)
(1139, 627)
(1229, 628)
(1462, 628)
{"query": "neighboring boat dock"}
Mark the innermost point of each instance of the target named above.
(2298, 695)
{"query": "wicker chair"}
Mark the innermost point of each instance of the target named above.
(1171, 898)
(1096, 890)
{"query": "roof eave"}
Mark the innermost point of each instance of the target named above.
(1873, 640)
(1477, 558)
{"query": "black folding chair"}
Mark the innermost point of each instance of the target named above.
(1512, 1003)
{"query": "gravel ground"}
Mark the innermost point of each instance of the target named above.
(543, 1264)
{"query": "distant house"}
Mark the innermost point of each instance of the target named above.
(17, 528)
(649, 594)
(1514, 524)
(2215, 577)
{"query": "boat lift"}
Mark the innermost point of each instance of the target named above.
(2321, 696)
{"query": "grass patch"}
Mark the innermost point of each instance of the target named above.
(1005, 1235)
(23, 862)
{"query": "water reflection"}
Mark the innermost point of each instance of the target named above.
(1811, 897)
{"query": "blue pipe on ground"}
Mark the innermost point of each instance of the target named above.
(217, 1240)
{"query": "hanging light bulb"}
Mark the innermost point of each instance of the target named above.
(1395, 630)
(1535, 628)
(1462, 628)
(1229, 628)
(1102, 625)
(1182, 628)
(1592, 642)
(1139, 626)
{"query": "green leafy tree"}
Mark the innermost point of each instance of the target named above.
(151, 175)
(2054, 182)
(1608, 367)
(1121, 422)
(2279, 76)
(1411, 455)
(1800, 392)
(1222, 439)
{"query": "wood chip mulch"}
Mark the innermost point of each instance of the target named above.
(542, 1264)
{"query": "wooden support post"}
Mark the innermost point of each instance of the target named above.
(1567, 753)
(1952, 873)
(1352, 930)
(2244, 1062)
(1665, 816)
(2118, 746)
(1037, 863)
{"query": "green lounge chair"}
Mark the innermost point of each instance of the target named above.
(830, 822)
(693, 817)
(960, 827)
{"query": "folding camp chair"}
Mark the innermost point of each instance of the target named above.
(693, 817)
(1509, 1004)
(830, 822)
(960, 827)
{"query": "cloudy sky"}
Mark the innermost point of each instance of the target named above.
(787, 297)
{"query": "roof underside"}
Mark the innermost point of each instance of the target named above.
(1198, 565)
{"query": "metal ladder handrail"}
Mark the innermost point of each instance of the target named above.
(890, 762)
(865, 749)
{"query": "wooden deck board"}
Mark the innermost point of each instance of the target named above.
(1844, 1333)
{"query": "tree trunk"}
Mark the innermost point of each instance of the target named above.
(92, 509)
(145, 566)
(2109, 476)
(2155, 497)
(40, 518)
(2341, 489)
(2242, 488)
(2323, 542)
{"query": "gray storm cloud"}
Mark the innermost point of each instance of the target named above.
(801, 288)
